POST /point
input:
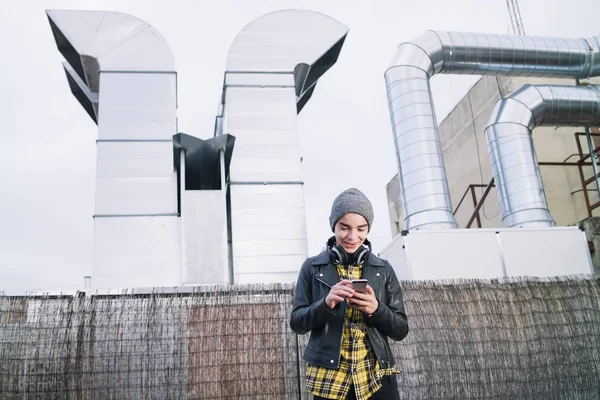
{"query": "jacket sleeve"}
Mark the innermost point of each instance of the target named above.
(308, 313)
(390, 317)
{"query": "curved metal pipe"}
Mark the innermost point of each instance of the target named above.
(514, 164)
(302, 43)
(100, 41)
(425, 192)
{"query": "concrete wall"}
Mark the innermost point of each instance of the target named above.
(395, 205)
(467, 161)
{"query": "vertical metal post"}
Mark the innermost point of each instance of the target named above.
(593, 157)
(225, 189)
(298, 366)
(480, 204)
(580, 161)
(474, 196)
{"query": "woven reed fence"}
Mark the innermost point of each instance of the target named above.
(469, 340)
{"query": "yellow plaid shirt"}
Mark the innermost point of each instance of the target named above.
(358, 366)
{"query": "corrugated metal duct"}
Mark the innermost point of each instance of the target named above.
(516, 170)
(425, 193)
(272, 69)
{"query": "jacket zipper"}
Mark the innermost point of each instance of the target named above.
(387, 354)
(323, 282)
(342, 331)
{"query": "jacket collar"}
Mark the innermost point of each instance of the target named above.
(323, 259)
(328, 273)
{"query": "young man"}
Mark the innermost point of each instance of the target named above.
(348, 354)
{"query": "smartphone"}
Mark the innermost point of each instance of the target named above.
(360, 285)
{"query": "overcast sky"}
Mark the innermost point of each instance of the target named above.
(47, 141)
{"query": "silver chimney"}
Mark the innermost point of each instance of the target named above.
(425, 193)
(516, 171)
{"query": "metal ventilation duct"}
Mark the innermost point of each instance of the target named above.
(136, 228)
(516, 170)
(422, 175)
(272, 69)
(94, 41)
(300, 43)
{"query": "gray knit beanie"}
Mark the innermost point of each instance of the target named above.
(351, 201)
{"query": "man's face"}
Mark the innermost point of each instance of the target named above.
(351, 231)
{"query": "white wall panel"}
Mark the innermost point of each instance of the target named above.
(204, 237)
(270, 137)
(132, 168)
(258, 96)
(136, 196)
(453, 254)
(112, 283)
(265, 169)
(268, 151)
(281, 277)
(269, 264)
(144, 159)
(137, 106)
(489, 253)
(135, 178)
(259, 79)
(136, 252)
(263, 216)
(548, 252)
(271, 111)
(395, 254)
(268, 232)
(266, 196)
(237, 124)
(250, 248)
(259, 110)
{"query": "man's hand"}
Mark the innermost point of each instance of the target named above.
(365, 302)
(338, 293)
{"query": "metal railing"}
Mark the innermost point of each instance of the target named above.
(579, 163)
(476, 204)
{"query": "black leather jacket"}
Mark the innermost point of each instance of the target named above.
(310, 313)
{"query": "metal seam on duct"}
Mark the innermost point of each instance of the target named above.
(266, 72)
(525, 105)
(120, 71)
(259, 86)
(135, 215)
(134, 140)
(266, 183)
